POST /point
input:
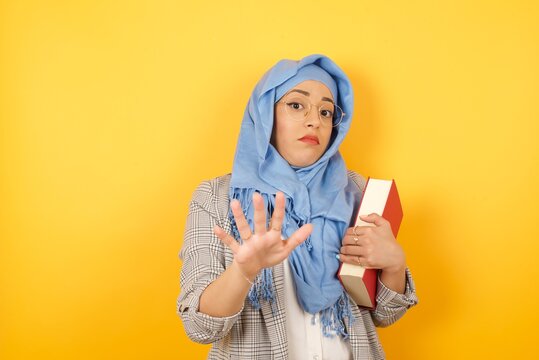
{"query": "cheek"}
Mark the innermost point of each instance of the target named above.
(281, 130)
(282, 138)
(326, 137)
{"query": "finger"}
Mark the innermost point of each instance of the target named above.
(227, 239)
(299, 236)
(354, 260)
(373, 218)
(259, 214)
(241, 222)
(360, 230)
(353, 250)
(278, 212)
(353, 240)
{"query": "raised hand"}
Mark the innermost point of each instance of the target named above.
(263, 248)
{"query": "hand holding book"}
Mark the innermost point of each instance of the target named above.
(372, 246)
(369, 249)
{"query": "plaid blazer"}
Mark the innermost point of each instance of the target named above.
(259, 334)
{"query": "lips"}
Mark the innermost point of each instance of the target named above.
(310, 139)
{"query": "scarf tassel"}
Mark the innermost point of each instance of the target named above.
(332, 318)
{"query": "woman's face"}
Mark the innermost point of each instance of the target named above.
(303, 142)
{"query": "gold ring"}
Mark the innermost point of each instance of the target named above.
(355, 233)
(358, 260)
(273, 227)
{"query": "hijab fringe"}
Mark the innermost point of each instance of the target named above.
(332, 318)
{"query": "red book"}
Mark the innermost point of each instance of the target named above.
(380, 197)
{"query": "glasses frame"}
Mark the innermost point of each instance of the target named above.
(282, 100)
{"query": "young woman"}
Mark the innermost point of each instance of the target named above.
(263, 245)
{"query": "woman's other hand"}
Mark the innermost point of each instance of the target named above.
(263, 248)
(373, 246)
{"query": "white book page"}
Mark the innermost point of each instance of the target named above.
(374, 199)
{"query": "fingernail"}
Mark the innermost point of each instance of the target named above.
(338, 257)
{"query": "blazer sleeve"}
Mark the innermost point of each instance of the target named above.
(203, 258)
(391, 305)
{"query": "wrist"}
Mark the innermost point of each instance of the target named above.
(247, 272)
(395, 269)
(398, 265)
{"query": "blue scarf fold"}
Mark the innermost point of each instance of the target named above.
(321, 193)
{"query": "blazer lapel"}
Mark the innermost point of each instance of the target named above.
(358, 334)
(275, 320)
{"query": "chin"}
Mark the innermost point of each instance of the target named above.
(306, 158)
(303, 162)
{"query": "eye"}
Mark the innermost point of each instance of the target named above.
(294, 105)
(328, 114)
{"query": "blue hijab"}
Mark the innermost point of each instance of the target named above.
(321, 193)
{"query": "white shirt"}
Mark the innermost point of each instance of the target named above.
(305, 340)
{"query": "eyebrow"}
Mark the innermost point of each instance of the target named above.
(308, 94)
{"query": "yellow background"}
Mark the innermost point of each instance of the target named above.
(113, 111)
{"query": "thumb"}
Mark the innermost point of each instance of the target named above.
(372, 218)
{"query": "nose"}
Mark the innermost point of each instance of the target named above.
(312, 119)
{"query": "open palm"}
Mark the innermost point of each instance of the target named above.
(263, 248)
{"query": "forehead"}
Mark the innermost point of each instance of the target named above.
(314, 88)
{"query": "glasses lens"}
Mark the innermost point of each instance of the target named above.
(297, 106)
(337, 116)
(330, 114)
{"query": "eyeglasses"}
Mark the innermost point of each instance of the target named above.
(298, 108)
